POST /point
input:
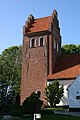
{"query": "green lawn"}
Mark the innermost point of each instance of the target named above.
(52, 117)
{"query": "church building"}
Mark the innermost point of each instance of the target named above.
(42, 61)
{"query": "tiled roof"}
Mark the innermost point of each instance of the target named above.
(66, 66)
(40, 24)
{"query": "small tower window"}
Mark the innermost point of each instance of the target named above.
(40, 41)
(57, 47)
(54, 44)
(32, 42)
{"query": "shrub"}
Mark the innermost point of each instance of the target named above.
(32, 104)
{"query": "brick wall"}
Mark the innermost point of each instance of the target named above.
(34, 69)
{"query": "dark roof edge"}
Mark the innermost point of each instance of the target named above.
(61, 79)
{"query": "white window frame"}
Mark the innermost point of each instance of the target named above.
(31, 42)
(39, 41)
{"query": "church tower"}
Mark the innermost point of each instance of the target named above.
(41, 46)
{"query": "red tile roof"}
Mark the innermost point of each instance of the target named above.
(40, 24)
(66, 66)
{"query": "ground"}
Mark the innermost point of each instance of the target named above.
(52, 117)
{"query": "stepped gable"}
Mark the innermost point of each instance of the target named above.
(33, 25)
(40, 24)
(37, 25)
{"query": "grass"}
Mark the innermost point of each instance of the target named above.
(52, 117)
(47, 114)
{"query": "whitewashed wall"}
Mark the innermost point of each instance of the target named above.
(74, 91)
(64, 100)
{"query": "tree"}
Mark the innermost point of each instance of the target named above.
(3, 89)
(70, 49)
(10, 67)
(10, 75)
(54, 93)
(79, 48)
(6, 96)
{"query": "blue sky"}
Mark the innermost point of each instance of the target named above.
(14, 13)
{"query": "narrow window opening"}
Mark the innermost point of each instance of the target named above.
(54, 44)
(57, 47)
(41, 41)
(78, 97)
(33, 42)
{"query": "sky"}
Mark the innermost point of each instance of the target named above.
(14, 13)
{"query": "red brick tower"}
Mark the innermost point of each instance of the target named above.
(41, 46)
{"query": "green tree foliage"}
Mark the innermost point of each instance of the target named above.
(6, 96)
(54, 93)
(70, 49)
(10, 67)
(3, 88)
(32, 104)
(79, 48)
(10, 77)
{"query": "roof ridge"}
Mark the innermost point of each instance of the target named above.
(42, 17)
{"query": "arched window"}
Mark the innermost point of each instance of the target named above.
(41, 41)
(32, 42)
